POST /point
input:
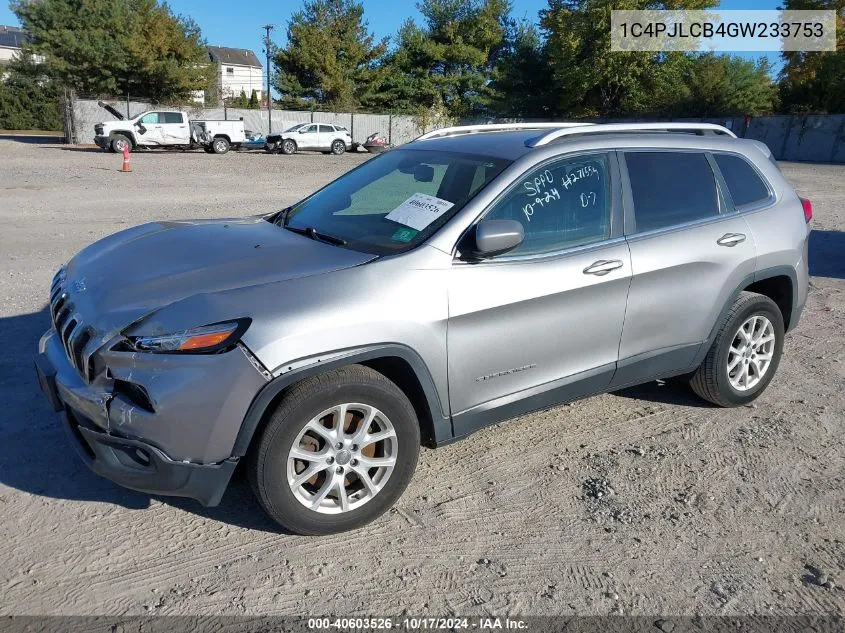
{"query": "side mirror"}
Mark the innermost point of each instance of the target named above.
(301, 131)
(494, 237)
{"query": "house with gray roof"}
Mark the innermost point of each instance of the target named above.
(12, 40)
(238, 70)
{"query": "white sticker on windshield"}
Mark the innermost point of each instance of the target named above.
(419, 211)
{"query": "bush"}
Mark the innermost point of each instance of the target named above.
(28, 99)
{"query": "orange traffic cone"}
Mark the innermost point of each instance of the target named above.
(126, 167)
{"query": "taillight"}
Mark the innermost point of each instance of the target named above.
(808, 209)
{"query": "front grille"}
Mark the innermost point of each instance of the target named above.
(71, 329)
(98, 129)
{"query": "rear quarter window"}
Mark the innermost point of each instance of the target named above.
(744, 183)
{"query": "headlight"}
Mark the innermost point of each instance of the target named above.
(209, 338)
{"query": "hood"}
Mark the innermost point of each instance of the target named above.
(115, 113)
(125, 276)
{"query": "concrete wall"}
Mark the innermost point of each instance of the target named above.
(400, 129)
(815, 138)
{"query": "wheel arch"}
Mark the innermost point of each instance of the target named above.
(398, 363)
(127, 133)
(226, 136)
(773, 280)
(780, 288)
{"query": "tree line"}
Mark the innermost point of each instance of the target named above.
(472, 58)
(464, 59)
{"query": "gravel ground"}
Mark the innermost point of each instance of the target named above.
(646, 501)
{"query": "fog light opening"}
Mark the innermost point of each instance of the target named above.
(142, 457)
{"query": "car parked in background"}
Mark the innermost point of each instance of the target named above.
(476, 274)
(323, 137)
(168, 128)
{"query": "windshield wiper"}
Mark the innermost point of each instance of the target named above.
(314, 234)
(280, 217)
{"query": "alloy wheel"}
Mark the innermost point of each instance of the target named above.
(751, 352)
(342, 458)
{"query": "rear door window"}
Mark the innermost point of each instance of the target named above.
(171, 117)
(326, 129)
(671, 188)
(743, 181)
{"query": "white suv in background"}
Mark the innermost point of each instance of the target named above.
(310, 136)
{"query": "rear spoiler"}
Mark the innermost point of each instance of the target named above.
(113, 111)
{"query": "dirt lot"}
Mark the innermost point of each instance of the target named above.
(646, 501)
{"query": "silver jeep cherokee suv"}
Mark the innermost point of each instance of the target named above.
(470, 276)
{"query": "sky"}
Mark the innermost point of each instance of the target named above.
(223, 25)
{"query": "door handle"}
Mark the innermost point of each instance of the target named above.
(730, 239)
(602, 267)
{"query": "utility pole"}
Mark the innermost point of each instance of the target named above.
(267, 48)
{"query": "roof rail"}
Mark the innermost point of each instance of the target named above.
(494, 127)
(606, 128)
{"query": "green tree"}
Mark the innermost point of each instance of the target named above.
(102, 47)
(241, 101)
(331, 59)
(448, 62)
(404, 84)
(815, 81)
(253, 101)
(465, 38)
(28, 99)
(716, 85)
(522, 76)
(589, 80)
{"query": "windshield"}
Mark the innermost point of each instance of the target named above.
(295, 127)
(395, 201)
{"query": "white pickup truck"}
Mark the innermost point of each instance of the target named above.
(167, 128)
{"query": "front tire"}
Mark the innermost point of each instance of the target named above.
(338, 148)
(288, 147)
(745, 353)
(118, 142)
(337, 452)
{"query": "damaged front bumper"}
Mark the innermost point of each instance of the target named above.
(172, 433)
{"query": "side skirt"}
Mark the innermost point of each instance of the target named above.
(538, 398)
(663, 363)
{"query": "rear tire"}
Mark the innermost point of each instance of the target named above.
(288, 147)
(335, 498)
(220, 145)
(745, 353)
(118, 142)
(338, 148)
